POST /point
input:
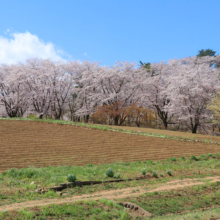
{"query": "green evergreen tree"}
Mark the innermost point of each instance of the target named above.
(207, 52)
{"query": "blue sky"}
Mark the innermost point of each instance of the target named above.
(107, 30)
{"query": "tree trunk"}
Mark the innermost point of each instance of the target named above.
(116, 120)
(194, 125)
(163, 116)
(165, 124)
(138, 124)
(86, 118)
(122, 120)
(194, 129)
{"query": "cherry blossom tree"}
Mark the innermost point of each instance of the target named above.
(178, 90)
(82, 100)
(12, 90)
(157, 81)
(109, 86)
(194, 84)
(38, 86)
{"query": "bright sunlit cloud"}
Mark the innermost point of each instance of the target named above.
(21, 46)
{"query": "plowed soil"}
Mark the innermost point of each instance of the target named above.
(40, 144)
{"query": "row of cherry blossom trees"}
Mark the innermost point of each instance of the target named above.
(178, 91)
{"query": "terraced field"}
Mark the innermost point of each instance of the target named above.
(41, 144)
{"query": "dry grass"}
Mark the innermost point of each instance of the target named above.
(171, 133)
(25, 143)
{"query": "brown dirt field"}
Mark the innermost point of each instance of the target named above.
(40, 144)
(170, 133)
(111, 194)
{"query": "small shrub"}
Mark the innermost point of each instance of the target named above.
(155, 174)
(209, 155)
(150, 162)
(183, 158)
(118, 175)
(193, 157)
(173, 158)
(109, 172)
(161, 174)
(143, 171)
(169, 172)
(148, 170)
(202, 157)
(71, 178)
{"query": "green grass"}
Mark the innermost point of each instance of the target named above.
(194, 215)
(182, 200)
(103, 209)
(16, 183)
(185, 203)
(109, 128)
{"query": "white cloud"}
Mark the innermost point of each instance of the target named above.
(22, 46)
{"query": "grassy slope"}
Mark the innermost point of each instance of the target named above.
(16, 187)
(16, 183)
(95, 210)
(179, 200)
(171, 133)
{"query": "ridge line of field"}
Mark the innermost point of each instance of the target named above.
(111, 194)
(109, 128)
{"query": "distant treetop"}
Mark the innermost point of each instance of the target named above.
(207, 52)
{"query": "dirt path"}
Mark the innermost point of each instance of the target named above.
(111, 194)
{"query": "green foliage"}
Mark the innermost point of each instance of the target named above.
(145, 65)
(173, 158)
(214, 106)
(109, 172)
(207, 52)
(148, 170)
(109, 203)
(26, 214)
(154, 174)
(23, 173)
(32, 116)
(203, 157)
(71, 178)
(143, 171)
(169, 172)
(193, 157)
(118, 175)
(183, 158)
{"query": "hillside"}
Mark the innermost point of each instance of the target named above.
(41, 144)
